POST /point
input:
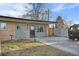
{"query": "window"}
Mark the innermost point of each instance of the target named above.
(32, 27)
(2, 26)
(40, 29)
(18, 27)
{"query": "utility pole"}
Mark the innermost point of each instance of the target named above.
(48, 15)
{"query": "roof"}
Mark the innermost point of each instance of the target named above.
(26, 19)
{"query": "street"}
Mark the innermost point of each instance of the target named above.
(62, 43)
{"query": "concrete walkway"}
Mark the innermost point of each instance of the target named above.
(62, 43)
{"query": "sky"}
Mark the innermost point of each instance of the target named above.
(68, 11)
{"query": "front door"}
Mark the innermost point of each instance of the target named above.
(32, 31)
(20, 32)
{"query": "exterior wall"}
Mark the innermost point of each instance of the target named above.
(23, 31)
(11, 28)
(40, 34)
(47, 31)
(50, 31)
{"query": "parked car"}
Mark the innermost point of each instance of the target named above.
(73, 32)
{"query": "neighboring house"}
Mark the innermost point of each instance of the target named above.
(19, 28)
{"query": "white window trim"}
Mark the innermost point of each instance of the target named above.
(5, 28)
(39, 27)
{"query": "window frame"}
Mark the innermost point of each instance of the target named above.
(4, 25)
(39, 28)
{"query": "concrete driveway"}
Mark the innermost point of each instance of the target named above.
(62, 43)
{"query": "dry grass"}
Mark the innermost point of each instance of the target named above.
(29, 48)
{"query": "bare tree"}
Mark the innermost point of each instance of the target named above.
(68, 23)
(38, 12)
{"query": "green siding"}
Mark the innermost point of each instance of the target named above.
(39, 34)
(20, 31)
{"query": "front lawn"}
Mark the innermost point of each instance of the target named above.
(0, 47)
(29, 48)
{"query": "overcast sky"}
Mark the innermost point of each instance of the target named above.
(67, 11)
